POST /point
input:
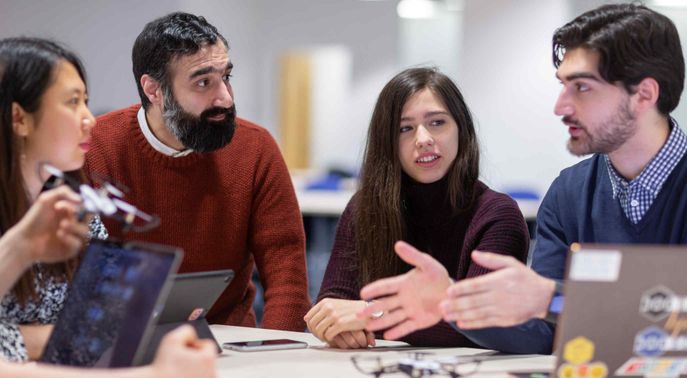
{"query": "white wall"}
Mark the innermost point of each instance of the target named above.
(508, 81)
(331, 137)
(367, 29)
(436, 41)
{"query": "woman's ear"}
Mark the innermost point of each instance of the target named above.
(21, 120)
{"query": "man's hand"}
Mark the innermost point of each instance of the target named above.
(509, 296)
(182, 354)
(335, 322)
(409, 301)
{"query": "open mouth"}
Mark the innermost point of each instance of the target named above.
(575, 131)
(427, 160)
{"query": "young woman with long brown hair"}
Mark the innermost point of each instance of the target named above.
(419, 183)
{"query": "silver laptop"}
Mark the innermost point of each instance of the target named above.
(625, 312)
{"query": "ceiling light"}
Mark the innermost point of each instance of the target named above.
(416, 9)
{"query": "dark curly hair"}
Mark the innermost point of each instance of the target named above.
(162, 40)
(634, 42)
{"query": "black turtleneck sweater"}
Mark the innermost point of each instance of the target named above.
(494, 223)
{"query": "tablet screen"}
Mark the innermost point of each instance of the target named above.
(109, 305)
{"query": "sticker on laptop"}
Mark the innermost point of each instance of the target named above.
(653, 341)
(657, 367)
(578, 354)
(659, 302)
(578, 350)
(595, 265)
(586, 370)
(650, 342)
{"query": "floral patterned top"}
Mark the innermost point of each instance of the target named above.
(43, 310)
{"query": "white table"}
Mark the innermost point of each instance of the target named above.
(319, 361)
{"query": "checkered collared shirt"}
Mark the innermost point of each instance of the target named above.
(636, 196)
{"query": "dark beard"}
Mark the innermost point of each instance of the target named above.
(198, 132)
(609, 134)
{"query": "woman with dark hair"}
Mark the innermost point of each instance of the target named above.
(44, 119)
(419, 183)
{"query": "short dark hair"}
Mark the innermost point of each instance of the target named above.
(27, 69)
(634, 42)
(379, 220)
(166, 38)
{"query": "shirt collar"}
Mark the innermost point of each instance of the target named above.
(659, 168)
(154, 142)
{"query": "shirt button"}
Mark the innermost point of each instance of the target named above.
(634, 203)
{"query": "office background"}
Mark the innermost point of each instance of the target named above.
(497, 51)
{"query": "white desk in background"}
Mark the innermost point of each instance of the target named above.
(333, 202)
(319, 361)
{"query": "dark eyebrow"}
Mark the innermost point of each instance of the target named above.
(210, 69)
(581, 75)
(427, 115)
(438, 112)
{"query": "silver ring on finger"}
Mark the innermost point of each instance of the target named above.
(376, 314)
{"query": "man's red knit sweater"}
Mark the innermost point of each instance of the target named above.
(231, 208)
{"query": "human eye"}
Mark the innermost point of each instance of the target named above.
(74, 100)
(437, 122)
(405, 128)
(202, 83)
(581, 87)
(227, 77)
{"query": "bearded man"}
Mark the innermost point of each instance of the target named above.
(228, 205)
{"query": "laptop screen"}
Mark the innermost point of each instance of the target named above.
(110, 302)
